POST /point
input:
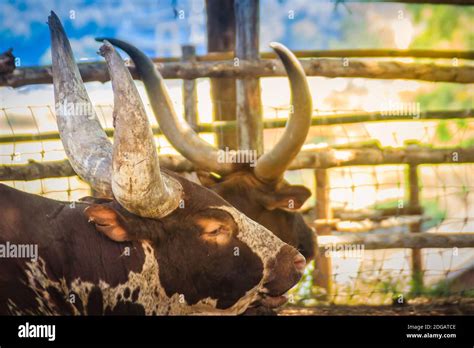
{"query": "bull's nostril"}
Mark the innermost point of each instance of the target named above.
(300, 262)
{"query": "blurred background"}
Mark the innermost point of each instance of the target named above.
(162, 27)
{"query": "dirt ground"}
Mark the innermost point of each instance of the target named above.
(456, 306)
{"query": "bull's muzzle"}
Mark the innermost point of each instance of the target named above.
(286, 270)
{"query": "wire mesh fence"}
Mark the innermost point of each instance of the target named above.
(384, 277)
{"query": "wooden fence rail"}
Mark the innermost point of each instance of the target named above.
(229, 54)
(372, 241)
(308, 159)
(55, 169)
(329, 158)
(343, 53)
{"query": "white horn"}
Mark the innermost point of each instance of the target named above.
(137, 182)
(85, 142)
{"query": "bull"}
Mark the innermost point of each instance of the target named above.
(155, 244)
(259, 191)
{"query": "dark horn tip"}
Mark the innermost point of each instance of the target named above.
(53, 20)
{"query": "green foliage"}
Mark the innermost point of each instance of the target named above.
(432, 209)
(442, 289)
(445, 27)
(439, 290)
(385, 288)
(442, 131)
(462, 123)
(389, 286)
(416, 285)
(386, 205)
(305, 294)
(447, 96)
(467, 142)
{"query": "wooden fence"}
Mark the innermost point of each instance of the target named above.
(249, 125)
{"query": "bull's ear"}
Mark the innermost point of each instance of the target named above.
(108, 221)
(289, 197)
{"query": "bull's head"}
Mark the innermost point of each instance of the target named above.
(205, 250)
(260, 191)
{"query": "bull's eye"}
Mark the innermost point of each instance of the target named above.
(216, 226)
(216, 232)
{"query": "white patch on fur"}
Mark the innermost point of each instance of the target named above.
(259, 239)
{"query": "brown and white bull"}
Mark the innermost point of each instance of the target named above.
(160, 244)
(259, 191)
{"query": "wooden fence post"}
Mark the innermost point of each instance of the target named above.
(322, 275)
(416, 256)
(190, 90)
(249, 106)
(221, 38)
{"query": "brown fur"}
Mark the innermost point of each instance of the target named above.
(78, 257)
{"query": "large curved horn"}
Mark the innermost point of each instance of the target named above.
(85, 142)
(177, 131)
(271, 165)
(137, 182)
